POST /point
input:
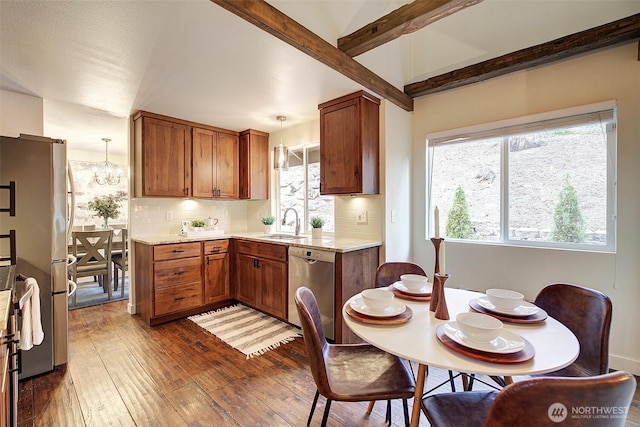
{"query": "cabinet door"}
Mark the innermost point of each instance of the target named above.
(254, 165)
(216, 278)
(166, 158)
(340, 149)
(226, 166)
(204, 154)
(247, 279)
(273, 290)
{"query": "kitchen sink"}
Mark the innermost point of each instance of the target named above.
(282, 236)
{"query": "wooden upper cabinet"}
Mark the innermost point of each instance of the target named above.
(215, 164)
(162, 157)
(254, 165)
(178, 158)
(350, 145)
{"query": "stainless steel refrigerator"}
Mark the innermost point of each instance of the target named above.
(39, 167)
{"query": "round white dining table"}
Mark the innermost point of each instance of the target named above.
(554, 344)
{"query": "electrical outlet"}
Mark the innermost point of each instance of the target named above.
(362, 218)
(169, 215)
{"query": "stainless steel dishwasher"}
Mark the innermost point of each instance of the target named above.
(315, 270)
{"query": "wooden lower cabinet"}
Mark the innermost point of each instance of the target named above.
(216, 271)
(261, 277)
(180, 279)
(355, 271)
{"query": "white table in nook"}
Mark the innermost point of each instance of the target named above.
(555, 345)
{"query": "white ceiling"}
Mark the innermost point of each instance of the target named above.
(94, 63)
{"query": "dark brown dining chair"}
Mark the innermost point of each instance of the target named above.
(349, 372)
(542, 401)
(389, 272)
(587, 313)
(120, 260)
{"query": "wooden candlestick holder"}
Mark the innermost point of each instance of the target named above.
(441, 310)
(436, 269)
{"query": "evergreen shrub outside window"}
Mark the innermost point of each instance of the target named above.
(546, 180)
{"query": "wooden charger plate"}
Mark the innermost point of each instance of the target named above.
(523, 355)
(411, 297)
(394, 320)
(532, 318)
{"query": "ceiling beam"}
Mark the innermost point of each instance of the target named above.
(276, 23)
(623, 30)
(404, 20)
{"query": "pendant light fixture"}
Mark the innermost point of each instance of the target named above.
(106, 172)
(280, 152)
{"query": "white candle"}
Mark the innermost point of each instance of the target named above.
(442, 256)
(436, 222)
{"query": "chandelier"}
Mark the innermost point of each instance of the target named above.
(106, 172)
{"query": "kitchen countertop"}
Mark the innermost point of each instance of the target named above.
(327, 243)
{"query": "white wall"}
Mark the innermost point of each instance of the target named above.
(21, 114)
(395, 172)
(604, 75)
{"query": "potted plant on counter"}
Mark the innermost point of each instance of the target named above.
(197, 224)
(268, 221)
(316, 227)
(106, 207)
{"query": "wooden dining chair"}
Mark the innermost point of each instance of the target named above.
(92, 250)
(349, 372)
(120, 261)
(542, 401)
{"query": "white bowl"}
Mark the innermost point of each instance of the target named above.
(414, 282)
(377, 299)
(504, 298)
(479, 327)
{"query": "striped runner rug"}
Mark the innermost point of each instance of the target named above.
(247, 330)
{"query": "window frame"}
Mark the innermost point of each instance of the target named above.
(487, 130)
(305, 226)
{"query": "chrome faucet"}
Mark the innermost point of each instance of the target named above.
(284, 218)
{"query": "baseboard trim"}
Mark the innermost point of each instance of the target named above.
(620, 363)
(131, 308)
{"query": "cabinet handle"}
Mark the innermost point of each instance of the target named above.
(179, 299)
(177, 273)
(178, 250)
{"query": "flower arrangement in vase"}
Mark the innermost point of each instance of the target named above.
(268, 221)
(316, 227)
(106, 207)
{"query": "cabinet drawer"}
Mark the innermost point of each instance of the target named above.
(177, 298)
(263, 250)
(216, 247)
(177, 250)
(169, 273)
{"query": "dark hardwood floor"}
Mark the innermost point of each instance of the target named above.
(122, 372)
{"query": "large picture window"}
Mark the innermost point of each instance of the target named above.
(545, 180)
(299, 188)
